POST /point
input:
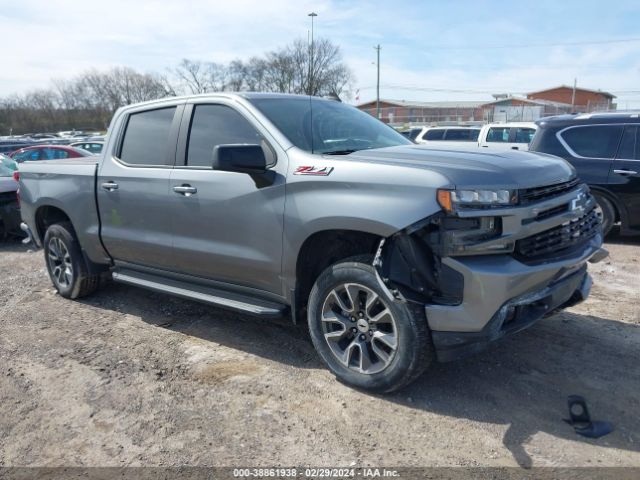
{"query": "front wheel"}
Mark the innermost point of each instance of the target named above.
(65, 263)
(366, 339)
(606, 212)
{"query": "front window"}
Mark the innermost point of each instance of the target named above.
(462, 134)
(213, 125)
(434, 134)
(326, 126)
(500, 134)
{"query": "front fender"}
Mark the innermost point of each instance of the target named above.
(357, 196)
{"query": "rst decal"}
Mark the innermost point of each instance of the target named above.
(311, 170)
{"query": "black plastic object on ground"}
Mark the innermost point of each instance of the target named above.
(581, 420)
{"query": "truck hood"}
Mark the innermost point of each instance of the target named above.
(474, 167)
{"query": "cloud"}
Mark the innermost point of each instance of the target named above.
(61, 38)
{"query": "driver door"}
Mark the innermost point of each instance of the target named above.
(227, 226)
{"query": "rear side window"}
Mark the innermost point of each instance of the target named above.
(146, 139)
(217, 125)
(629, 145)
(435, 134)
(593, 141)
(462, 135)
(27, 155)
(498, 134)
(524, 135)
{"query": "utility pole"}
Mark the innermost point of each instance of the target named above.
(378, 47)
(312, 15)
(573, 95)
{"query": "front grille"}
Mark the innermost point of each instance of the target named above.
(552, 212)
(558, 240)
(530, 195)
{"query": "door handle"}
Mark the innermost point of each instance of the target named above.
(625, 172)
(186, 190)
(110, 186)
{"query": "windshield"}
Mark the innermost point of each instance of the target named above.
(7, 166)
(334, 128)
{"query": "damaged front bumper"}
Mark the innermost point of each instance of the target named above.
(503, 296)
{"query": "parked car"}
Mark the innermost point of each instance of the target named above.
(605, 150)
(91, 147)
(48, 152)
(448, 136)
(514, 136)
(9, 208)
(271, 204)
(11, 145)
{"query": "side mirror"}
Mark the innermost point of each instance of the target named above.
(239, 158)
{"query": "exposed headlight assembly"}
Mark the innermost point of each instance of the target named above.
(450, 200)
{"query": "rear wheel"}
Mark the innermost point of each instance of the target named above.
(606, 212)
(366, 339)
(65, 263)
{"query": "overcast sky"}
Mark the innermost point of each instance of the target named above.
(475, 47)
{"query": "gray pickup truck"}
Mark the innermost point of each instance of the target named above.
(395, 255)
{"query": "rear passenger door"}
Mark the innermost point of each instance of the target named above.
(133, 188)
(624, 179)
(229, 227)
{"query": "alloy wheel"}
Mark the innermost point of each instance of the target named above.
(359, 328)
(60, 262)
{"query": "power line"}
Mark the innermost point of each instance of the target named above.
(435, 89)
(534, 45)
(468, 90)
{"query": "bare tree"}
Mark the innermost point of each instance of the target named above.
(201, 77)
(90, 99)
(87, 101)
(294, 68)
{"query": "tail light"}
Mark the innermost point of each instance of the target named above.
(16, 177)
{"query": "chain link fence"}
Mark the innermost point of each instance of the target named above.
(477, 115)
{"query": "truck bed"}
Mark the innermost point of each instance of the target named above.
(70, 186)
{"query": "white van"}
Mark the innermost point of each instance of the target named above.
(514, 136)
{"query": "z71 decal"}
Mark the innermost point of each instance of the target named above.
(311, 170)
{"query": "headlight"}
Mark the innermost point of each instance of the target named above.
(450, 199)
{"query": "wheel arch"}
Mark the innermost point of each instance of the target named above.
(322, 249)
(618, 208)
(47, 215)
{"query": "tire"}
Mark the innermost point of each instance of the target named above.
(606, 212)
(380, 325)
(65, 262)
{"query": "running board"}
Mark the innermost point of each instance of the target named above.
(217, 297)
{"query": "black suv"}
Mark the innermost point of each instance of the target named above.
(605, 150)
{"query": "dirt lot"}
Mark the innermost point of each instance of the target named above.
(128, 377)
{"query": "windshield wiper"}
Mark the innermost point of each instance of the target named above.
(340, 152)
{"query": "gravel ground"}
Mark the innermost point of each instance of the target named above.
(129, 377)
